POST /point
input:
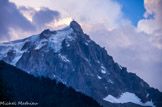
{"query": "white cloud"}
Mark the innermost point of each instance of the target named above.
(153, 26)
(28, 12)
(61, 23)
(107, 12)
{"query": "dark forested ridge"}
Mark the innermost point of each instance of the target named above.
(4, 90)
(46, 92)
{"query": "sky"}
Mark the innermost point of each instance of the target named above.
(130, 30)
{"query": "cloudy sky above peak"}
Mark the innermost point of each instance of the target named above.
(130, 30)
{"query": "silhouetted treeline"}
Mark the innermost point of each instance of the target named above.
(46, 92)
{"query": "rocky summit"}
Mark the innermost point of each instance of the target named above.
(71, 57)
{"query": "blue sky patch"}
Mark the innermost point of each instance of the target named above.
(133, 10)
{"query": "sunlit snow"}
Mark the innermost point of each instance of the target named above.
(55, 41)
(127, 97)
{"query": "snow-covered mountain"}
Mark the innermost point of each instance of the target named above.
(70, 56)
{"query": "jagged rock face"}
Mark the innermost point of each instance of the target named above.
(70, 56)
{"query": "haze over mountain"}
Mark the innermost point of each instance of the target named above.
(71, 57)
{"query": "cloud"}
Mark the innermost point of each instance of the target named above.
(108, 12)
(11, 18)
(44, 16)
(153, 26)
(28, 12)
(16, 23)
(95, 12)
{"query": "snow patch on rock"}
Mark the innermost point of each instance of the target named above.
(99, 77)
(15, 60)
(86, 43)
(120, 66)
(110, 81)
(128, 97)
(147, 95)
(14, 46)
(103, 69)
(41, 44)
(55, 41)
(64, 58)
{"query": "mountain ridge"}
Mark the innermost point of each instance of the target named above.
(70, 56)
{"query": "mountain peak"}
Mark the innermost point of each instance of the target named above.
(46, 33)
(76, 27)
(82, 63)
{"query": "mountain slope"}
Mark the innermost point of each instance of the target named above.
(45, 92)
(70, 56)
